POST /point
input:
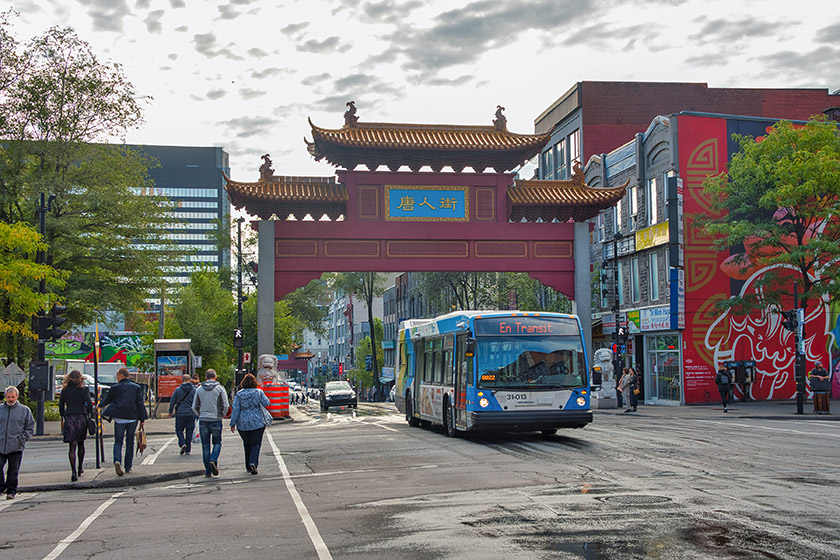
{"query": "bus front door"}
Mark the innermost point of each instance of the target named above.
(462, 367)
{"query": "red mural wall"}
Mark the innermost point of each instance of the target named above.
(713, 336)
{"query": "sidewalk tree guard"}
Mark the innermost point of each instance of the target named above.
(423, 219)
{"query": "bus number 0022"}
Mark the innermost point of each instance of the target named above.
(516, 396)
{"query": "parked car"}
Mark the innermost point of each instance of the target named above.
(89, 381)
(338, 393)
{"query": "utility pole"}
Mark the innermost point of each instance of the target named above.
(239, 360)
(619, 328)
(39, 372)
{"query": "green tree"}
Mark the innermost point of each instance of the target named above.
(366, 286)
(57, 103)
(20, 298)
(777, 208)
(359, 374)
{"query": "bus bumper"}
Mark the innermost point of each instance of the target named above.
(529, 421)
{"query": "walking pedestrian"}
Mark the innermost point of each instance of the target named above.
(124, 404)
(75, 407)
(626, 385)
(724, 384)
(247, 414)
(820, 386)
(210, 404)
(634, 390)
(16, 427)
(181, 403)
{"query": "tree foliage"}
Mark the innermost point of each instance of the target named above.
(777, 209)
(20, 298)
(58, 102)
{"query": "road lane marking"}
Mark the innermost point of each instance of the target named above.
(311, 529)
(150, 460)
(18, 498)
(69, 539)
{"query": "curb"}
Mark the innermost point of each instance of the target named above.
(121, 482)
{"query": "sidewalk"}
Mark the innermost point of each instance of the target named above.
(105, 477)
(764, 410)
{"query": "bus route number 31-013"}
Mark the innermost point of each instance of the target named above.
(516, 397)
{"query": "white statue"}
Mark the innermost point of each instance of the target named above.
(268, 372)
(603, 359)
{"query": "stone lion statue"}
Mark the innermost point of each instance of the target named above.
(603, 359)
(268, 372)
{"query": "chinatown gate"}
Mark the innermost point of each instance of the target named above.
(420, 220)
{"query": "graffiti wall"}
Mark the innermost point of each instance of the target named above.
(713, 336)
(123, 347)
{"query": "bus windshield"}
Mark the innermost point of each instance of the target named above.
(536, 362)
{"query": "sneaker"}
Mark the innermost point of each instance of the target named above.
(214, 468)
(10, 496)
(207, 475)
(118, 469)
(724, 409)
(252, 468)
(183, 449)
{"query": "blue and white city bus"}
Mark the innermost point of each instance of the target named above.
(497, 370)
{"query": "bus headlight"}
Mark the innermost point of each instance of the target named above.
(483, 403)
(581, 401)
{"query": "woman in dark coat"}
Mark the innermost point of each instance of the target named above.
(75, 405)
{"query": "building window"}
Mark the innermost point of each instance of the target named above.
(574, 147)
(549, 163)
(562, 172)
(600, 223)
(620, 284)
(617, 217)
(634, 206)
(634, 280)
(654, 276)
(605, 290)
(653, 198)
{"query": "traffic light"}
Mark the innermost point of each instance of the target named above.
(50, 326)
(237, 338)
(789, 320)
(621, 335)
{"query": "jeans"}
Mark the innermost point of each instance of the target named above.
(184, 426)
(724, 393)
(252, 442)
(208, 429)
(124, 431)
(10, 482)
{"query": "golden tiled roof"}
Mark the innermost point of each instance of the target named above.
(428, 137)
(284, 196)
(548, 193)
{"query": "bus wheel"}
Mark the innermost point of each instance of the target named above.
(449, 420)
(409, 413)
(550, 432)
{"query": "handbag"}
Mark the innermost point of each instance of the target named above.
(636, 391)
(266, 416)
(91, 426)
(141, 440)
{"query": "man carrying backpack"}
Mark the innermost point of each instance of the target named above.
(181, 403)
(210, 404)
(724, 384)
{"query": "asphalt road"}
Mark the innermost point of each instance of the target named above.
(366, 485)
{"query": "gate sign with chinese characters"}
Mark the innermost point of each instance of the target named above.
(427, 204)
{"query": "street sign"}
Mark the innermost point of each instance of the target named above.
(11, 375)
(196, 361)
(246, 357)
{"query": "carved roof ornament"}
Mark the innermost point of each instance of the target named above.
(500, 122)
(350, 118)
(266, 172)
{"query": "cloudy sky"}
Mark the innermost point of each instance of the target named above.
(246, 74)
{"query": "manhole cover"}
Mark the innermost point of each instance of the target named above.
(635, 499)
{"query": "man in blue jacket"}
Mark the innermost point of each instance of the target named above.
(124, 404)
(181, 403)
(16, 427)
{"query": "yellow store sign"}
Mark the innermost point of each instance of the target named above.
(652, 236)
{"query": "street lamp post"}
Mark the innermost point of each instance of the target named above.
(616, 341)
(239, 362)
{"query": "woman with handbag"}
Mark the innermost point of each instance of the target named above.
(250, 414)
(75, 407)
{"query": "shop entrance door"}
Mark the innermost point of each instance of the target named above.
(663, 372)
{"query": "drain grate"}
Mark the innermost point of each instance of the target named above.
(641, 500)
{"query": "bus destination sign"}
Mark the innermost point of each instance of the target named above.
(525, 326)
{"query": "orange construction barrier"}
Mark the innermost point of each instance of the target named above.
(278, 397)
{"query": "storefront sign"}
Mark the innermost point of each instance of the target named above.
(634, 322)
(655, 318)
(427, 204)
(652, 236)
